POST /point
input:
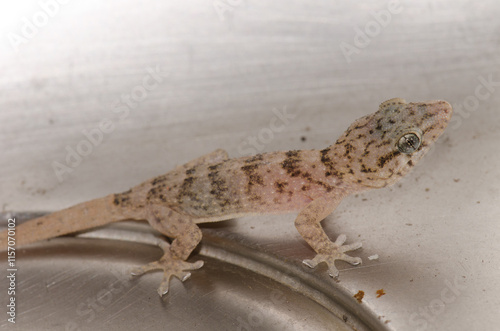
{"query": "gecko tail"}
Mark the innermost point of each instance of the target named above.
(80, 217)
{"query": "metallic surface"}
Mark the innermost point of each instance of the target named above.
(121, 91)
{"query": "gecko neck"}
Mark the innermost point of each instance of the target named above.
(341, 162)
(336, 165)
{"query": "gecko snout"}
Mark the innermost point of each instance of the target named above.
(444, 108)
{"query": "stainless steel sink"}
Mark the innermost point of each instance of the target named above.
(84, 282)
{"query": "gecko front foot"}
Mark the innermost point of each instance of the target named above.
(171, 267)
(335, 252)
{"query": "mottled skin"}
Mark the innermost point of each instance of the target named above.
(374, 152)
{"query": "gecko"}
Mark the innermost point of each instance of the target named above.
(374, 152)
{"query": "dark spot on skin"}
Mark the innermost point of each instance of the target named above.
(348, 149)
(291, 163)
(184, 191)
(255, 158)
(325, 186)
(280, 186)
(190, 171)
(422, 107)
(371, 131)
(383, 143)
(159, 179)
(305, 188)
(303, 138)
(214, 167)
(254, 197)
(392, 121)
(157, 193)
(360, 126)
(306, 175)
(366, 151)
(122, 199)
(218, 188)
(410, 163)
(311, 180)
(366, 170)
(431, 127)
(330, 166)
(360, 136)
(386, 158)
(368, 145)
(251, 171)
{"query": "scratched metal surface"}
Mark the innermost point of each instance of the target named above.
(165, 82)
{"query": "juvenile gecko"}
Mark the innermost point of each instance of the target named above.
(374, 152)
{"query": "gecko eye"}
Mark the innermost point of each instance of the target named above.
(409, 142)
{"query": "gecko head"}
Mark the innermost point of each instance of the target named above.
(378, 149)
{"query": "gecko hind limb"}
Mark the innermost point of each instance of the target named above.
(171, 266)
(334, 252)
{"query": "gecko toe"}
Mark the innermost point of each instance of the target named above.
(171, 267)
(350, 247)
(333, 253)
(351, 260)
(310, 263)
(138, 271)
(340, 240)
(333, 271)
(164, 285)
(197, 265)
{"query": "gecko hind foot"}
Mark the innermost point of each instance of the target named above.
(171, 267)
(335, 252)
